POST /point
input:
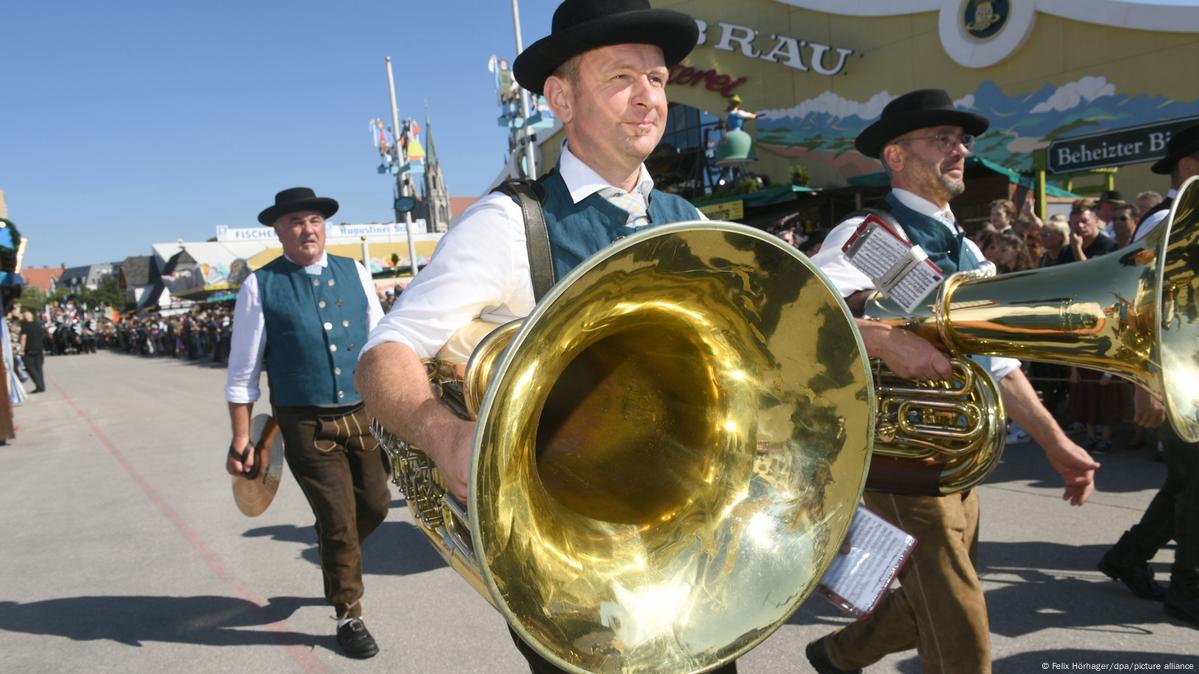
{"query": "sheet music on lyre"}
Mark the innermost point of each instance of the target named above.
(875, 551)
(898, 268)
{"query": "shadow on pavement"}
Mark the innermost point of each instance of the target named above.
(1068, 659)
(1033, 594)
(394, 549)
(1121, 471)
(1031, 588)
(134, 620)
(399, 549)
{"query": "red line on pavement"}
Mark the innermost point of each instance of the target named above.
(303, 657)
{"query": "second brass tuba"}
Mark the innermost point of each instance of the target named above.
(668, 453)
(1133, 312)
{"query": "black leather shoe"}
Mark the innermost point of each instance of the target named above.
(356, 641)
(1183, 608)
(1136, 576)
(818, 658)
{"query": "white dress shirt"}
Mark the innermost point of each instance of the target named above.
(480, 269)
(1154, 220)
(249, 332)
(848, 279)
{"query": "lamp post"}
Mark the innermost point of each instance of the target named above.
(526, 139)
(403, 200)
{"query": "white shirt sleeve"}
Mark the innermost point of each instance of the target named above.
(479, 270)
(374, 310)
(247, 345)
(1150, 223)
(846, 278)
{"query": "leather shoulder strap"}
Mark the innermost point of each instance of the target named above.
(883, 213)
(530, 195)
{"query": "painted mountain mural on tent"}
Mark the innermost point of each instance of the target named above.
(822, 129)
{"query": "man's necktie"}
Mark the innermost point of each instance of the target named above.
(633, 204)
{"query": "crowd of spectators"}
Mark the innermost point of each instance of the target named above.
(199, 334)
(1089, 400)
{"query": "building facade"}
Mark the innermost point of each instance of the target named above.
(1050, 75)
(1042, 71)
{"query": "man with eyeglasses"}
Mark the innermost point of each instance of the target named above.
(1106, 206)
(923, 141)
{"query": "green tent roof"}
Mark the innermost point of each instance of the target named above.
(769, 196)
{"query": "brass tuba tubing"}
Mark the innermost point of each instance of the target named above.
(1133, 313)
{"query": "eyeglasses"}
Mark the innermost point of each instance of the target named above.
(1122, 218)
(948, 142)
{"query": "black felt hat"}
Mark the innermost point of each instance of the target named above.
(916, 110)
(1181, 144)
(1112, 196)
(583, 25)
(297, 199)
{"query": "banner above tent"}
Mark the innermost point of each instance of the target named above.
(1042, 71)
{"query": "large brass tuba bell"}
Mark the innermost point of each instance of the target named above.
(669, 452)
(1133, 313)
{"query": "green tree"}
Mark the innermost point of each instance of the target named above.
(32, 299)
(108, 293)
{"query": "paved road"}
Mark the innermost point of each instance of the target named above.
(122, 551)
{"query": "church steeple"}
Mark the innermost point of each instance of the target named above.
(437, 198)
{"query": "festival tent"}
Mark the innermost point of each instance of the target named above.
(194, 271)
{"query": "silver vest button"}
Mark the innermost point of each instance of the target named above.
(321, 304)
(328, 325)
(332, 282)
(332, 347)
(337, 371)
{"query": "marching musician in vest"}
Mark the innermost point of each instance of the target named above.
(603, 70)
(1181, 162)
(1174, 511)
(304, 318)
(923, 141)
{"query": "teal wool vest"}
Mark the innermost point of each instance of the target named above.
(946, 250)
(315, 327)
(578, 231)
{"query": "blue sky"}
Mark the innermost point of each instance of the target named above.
(130, 122)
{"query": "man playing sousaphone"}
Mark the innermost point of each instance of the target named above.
(603, 70)
(923, 141)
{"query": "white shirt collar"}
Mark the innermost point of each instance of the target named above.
(924, 206)
(316, 267)
(583, 181)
